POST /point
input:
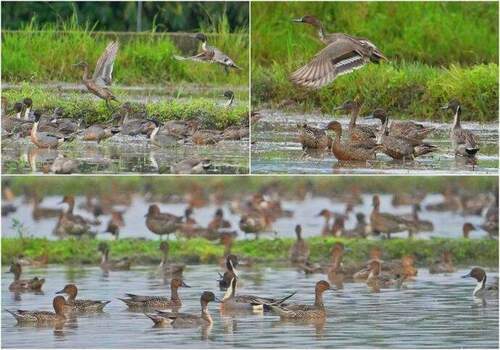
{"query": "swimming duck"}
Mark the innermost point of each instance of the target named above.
(304, 312)
(192, 166)
(177, 319)
(299, 251)
(233, 302)
(464, 142)
(157, 302)
(405, 129)
(343, 54)
(385, 222)
(101, 79)
(162, 140)
(376, 279)
(444, 265)
(313, 138)
(162, 223)
(346, 151)
(231, 272)
(112, 265)
(166, 268)
(71, 224)
(482, 290)
(44, 139)
(80, 305)
(20, 285)
(358, 134)
(42, 317)
(338, 273)
(210, 54)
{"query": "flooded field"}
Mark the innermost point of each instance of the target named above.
(446, 224)
(275, 149)
(434, 311)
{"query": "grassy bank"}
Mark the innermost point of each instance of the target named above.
(465, 252)
(406, 90)
(47, 53)
(91, 110)
(230, 186)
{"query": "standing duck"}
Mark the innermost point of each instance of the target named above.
(358, 134)
(101, 79)
(42, 317)
(44, 139)
(210, 54)
(346, 151)
(20, 285)
(162, 223)
(218, 222)
(161, 140)
(342, 55)
(99, 132)
(80, 305)
(466, 229)
(299, 251)
(464, 142)
(406, 129)
(385, 222)
(70, 224)
(157, 302)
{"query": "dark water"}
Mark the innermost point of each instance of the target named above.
(446, 224)
(277, 150)
(435, 311)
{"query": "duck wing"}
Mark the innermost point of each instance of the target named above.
(104, 66)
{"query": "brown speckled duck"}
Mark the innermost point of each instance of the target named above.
(157, 302)
(346, 151)
(80, 305)
(42, 317)
(20, 285)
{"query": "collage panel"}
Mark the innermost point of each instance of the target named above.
(375, 88)
(125, 87)
(379, 256)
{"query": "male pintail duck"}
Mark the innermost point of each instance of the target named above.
(20, 285)
(44, 139)
(14, 123)
(162, 140)
(101, 79)
(166, 268)
(346, 151)
(80, 305)
(464, 142)
(385, 222)
(194, 165)
(343, 54)
(305, 312)
(406, 129)
(178, 319)
(157, 302)
(358, 134)
(42, 317)
(467, 228)
(233, 302)
(482, 290)
(162, 223)
(313, 138)
(230, 273)
(299, 251)
(444, 265)
(71, 224)
(210, 54)
(112, 265)
(28, 106)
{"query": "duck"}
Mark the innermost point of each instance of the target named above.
(444, 265)
(405, 198)
(40, 261)
(206, 137)
(20, 285)
(161, 140)
(28, 105)
(358, 134)
(463, 141)
(467, 228)
(236, 132)
(14, 123)
(133, 127)
(341, 55)
(162, 223)
(313, 138)
(385, 222)
(70, 224)
(101, 79)
(230, 273)
(415, 223)
(405, 129)
(42, 317)
(194, 165)
(65, 126)
(232, 302)
(181, 128)
(112, 265)
(44, 139)
(299, 251)
(327, 215)
(377, 280)
(482, 290)
(360, 230)
(210, 54)
(304, 312)
(176, 319)
(346, 151)
(490, 223)
(80, 305)
(165, 267)
(114, 224)
(218, 222)
(230, 98)
(99, 132)
(38, 213)
(64, 165)
(157, 302)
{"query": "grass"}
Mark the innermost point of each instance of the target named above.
(92, 110)
(466, 252)
(46, 53)
(231, 186)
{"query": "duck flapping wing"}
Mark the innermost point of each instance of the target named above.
(104, 66)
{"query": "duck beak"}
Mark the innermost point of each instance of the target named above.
(60, 292)
(185, 285)
(467, 275)
(217, 300)
(297, 20)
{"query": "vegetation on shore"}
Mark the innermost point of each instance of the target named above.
(482, 252)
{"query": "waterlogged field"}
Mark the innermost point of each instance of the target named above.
(434, 311)
(276, 149)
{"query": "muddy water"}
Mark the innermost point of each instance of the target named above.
(435, 311)
(276, 149)
(446, 224)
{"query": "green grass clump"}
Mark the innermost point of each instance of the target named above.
(481, 252)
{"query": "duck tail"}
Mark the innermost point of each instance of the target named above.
(157, 320)
(12, 313)
(180, 58)
(281, 301)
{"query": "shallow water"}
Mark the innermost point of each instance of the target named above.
(276, 149)
(446, 224)
(435, 311)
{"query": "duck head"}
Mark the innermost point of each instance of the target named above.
(478, 273)
(298, 232)
(348, 106)
(311, 20)
(153, 210)
(201, 37)
(453, 105)
(178, 283)
(70, 289)
(334, 126)
(379, 114)
(18, 107)
(322, 286)
(466, 228)
(38, 115)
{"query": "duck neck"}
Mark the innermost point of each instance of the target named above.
(174, 295)
(17, 275)
(27, 113)
(338, 135)
(321, 32)
(227, 248)
(205, 315)
(85, 75)
(318, 300)
(336, 261)
(204, 45)
(34, 129)
(456, 118)
(229, 102)
(415, 214)
(104, 257)
(72, 296)
(154, 133)
(164, 258)
(479, 286)
(354, 116)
